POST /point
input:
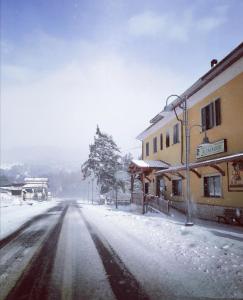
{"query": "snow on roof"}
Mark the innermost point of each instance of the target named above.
(36, 179)
(11, 188)
(149, 163)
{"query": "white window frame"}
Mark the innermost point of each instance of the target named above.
(177, 178)
(221, 185)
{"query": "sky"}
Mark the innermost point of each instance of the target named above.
(68, 65)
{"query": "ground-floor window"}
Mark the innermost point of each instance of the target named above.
(160, 187)
(212, 186)
(177, 187)
(146, 188)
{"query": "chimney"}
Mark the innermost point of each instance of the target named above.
(213, 62)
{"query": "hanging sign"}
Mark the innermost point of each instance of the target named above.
(204, 150)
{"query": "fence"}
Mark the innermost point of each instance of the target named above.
(157, 203)
(137, 198)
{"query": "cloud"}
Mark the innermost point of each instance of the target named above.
(207, 24)
(150, 24)
(175, 26)
(147, 24)
(16, 74)
(62, 107)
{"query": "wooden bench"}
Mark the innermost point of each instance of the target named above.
(231, 216)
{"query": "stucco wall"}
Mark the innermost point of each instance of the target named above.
(231, 129)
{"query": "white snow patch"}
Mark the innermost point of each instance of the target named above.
(188, 261)
(14, 212)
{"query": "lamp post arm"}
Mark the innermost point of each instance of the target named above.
(174, 95)
(173, 107)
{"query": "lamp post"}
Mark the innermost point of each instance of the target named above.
(183, 106)
(187, 128)
(188, 143)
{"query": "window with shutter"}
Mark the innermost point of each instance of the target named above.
(203, 116)
(211, 115)
(217, 112)
(167, 139)
(176, 134)
(147, 149)
(155, 144)
(161, 141)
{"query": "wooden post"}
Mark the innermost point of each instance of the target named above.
(116, 197)
(143, 198)
(132, 187)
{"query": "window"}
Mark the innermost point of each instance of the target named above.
(211, 115)
(212, 186)
(155, 144)
(176, 134)
(146, 188)
(161, 141)
(147, 149)
(177, 187)
(167, 139)
(160, 187)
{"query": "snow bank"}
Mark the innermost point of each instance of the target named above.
(14, 212)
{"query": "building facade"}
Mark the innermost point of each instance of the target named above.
(35, 188)
(215, 111)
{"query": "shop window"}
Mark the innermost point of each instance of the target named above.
(212, 186)
(147, 149)
(161, 141)
(177, 187)
(211, 115)
(167, 139)
(155, 144)
(176, 134)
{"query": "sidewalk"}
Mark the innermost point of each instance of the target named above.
(219, 229)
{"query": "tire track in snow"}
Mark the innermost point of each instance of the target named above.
(35, 282)
(122, 281)
(18, 232)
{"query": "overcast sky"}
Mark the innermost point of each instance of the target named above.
(68, 65)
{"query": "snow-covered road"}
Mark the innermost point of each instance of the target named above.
(81, 251)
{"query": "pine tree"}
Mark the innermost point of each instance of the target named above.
(126, 161)
(104, 161)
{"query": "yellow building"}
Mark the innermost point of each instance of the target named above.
(215, 110)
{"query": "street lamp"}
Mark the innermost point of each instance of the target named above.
(183, 105)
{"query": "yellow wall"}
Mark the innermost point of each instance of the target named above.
(231, 129)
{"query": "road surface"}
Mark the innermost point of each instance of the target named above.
(60, 255)
(66, 253)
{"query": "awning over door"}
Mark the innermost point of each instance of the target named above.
(139, 166)
(213, 163)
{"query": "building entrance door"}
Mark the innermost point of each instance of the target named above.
(160, 187)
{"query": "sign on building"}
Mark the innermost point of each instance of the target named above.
(205, 150)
